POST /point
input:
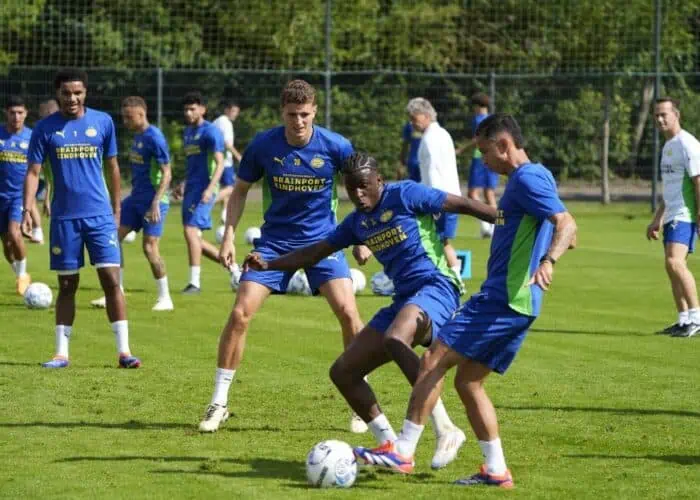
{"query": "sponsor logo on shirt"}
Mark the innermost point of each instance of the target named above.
(298, 183)
(386, 238)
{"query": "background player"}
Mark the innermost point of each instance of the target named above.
(148, 204)
(14, 142)
(298, 163)
(410, 142)
(533, 231)
(204, 149)
(224, 123)
(84, 213)
(678, 213)
(396, 223)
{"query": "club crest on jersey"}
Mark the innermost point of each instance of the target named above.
(196, 137)
(386, 216)
(139, 145)
(56, 250)
(297, 162)
(2, 143)
(24, 145)
(91, 132)
(669, 152)
(317, 162)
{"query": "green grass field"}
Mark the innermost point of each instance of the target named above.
(595, 406)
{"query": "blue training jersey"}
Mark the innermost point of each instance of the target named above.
(476, 120)
(521, 238)
(148, 152)
(13, 162)
(200, 144)
(413, 138)
(401, 234)
(300, 183)
(75, 149)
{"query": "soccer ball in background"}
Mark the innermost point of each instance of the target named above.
(299, 284)
(252, 234)
(381, 284)
(359, 282)
(331, 464)
(38, 296)
(220, 234)
(130, 237)
(485, 229)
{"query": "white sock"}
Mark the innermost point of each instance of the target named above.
(163, 290)
(121, 335)
(694, 316)
(222, 382)
(440, 419)
(683, 318)
(493, 454)
(381, 429)
(13, 265)
(20, 267)
(408, 439)
(457, 268)
(38, 234)
(62, 339)
(195, 272)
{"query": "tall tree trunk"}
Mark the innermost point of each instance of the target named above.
(642, 116)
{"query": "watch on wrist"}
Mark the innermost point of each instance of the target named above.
(548, 258)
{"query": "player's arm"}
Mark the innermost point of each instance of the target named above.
(232, 149)
(234, 210)
(154, 213)
(292, 261)
(31, 183)
(461, 205)
(114, 185)
(655, 226)
(564, 237)
(696, 188)
(209, 192)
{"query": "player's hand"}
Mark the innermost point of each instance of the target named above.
(543, 276)
(255, 262)
(653, 230)
(227, 254)
(362, 254)
(206, 196)
(153, 215)
(27, 223)
(47, 209)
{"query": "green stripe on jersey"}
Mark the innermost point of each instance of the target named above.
(433, 248)
(519, 296)
(267, 196)
(156, 175)
(334, 196)
(688, 191)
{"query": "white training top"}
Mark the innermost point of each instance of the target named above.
(226, 127)
(680, 162)
(438, 162)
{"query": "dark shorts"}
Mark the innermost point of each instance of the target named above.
(481, 176)
(194, 212)
(69, 237)
(134, 211)
(10, 211)
(228, 177)
(446, 226)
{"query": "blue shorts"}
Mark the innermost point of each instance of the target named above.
(134, 211)
(486, 331)
(681, 232)
(10, 211)
(438, 299)
(446, 226)
(69, 236)
(332, 267)
(228, 177)
(481, 176)
(40, 190)
(194, 212)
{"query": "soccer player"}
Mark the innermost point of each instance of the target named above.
(147, 205)
(410, 142)
(84, 208)
(224, 123)
(396, 222)
(679, 213)
(438, 168)
(204, 149)
(533, 230)
(14, 142)
(298, 163)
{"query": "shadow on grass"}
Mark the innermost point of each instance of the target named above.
(19, 363)
(148, 426)
(613, 333)
(616, 411)
(676, 459)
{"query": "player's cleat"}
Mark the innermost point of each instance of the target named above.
(213, 418)
(129, 361)
(670, 330)
(504, 480)
(357, 425)
(22, 283)
(99, 303)
(190, 289)
(56, 362)
(686, 331)
(447, 447)
(163, 304)
(385, 456)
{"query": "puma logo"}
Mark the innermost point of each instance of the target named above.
(274, 158)
(61, 133)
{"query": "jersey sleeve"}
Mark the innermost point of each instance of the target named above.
(406, 133)
(421, 199)
(344, 150)
(37, 147)
(692, 152)
(161, 151)
(343, 236)
(109, 146)
(250, 169)
(537, 194)
(215, 140)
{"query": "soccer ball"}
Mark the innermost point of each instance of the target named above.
(38, 296)
(485, 229)
(331, 464)
(235, 276)
(299, 284)
(359, 282)
(130, 237)
(382, 284)
(220, 234)
(252, 234)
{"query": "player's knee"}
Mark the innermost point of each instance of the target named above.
(339, 374)
(675, 264)
(150, 250)
(240, 317)
(393, 342)
(68, 284)
(348, 315)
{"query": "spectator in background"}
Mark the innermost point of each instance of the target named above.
(224, 123)
(409, 152)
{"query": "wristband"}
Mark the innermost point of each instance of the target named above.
(548, 258)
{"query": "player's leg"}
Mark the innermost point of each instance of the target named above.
(250, 297)
(123, 230)
(209, 250)
(152, 232)
(196, 217)
(19, 256)
(683, 282)
(446, 226)
(490, 199)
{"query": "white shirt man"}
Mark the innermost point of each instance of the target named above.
(438, 162)
(226, 128)
(680, 162)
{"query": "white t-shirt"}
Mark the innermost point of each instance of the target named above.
(438, 162)
(680, 162)
(226, 127)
